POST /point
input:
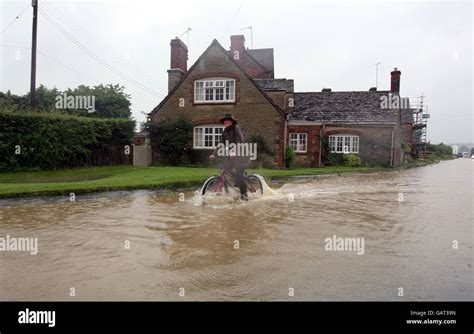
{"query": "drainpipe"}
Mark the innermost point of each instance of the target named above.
(391, 149)
(321, 134)
(284, 138)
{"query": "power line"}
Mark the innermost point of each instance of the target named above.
(52, 59)
(135, 100)
(230, 23)
(233, 19)
(14, 20)
(102, 61)
(97, 58)
(91, 39)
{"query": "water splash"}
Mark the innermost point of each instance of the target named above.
(224, 200)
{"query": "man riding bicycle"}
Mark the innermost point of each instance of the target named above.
(234, 165)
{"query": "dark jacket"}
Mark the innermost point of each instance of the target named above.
(234, 134)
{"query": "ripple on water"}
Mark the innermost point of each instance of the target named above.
(280, 238)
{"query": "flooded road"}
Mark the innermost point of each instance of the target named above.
(416, 227)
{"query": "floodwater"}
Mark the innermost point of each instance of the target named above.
(416, 225)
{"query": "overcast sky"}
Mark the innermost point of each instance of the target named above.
(318, 44)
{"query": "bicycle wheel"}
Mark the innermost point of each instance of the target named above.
(255, 186)
(213, 186)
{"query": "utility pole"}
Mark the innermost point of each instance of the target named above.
(34, 3)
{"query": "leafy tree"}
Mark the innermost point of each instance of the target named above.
(45, 98)
(12, 102)
(111, 101)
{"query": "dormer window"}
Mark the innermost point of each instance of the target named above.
(214, 90)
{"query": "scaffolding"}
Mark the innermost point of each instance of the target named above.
(420, 122)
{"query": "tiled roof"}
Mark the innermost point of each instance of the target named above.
(263, 56)
(276, 84)
(216, 43)
(345, 107)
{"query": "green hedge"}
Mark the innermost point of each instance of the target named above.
(40, 141)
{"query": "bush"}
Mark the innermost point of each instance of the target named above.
(172, 139)
(290, 157)
(351, 160)
(35, 141)
(441, 149)
(406, 147)
(339, 159)
(334, 159)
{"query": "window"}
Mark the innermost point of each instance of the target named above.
(298, 142)
(198, 91)
(207, 136)
(214, 90)
(344, 144)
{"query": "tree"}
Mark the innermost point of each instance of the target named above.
(110, 101)
(45, 98)
(12, 102)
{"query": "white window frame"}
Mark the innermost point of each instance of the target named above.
(295, 142)
(344, 143)
(214, 90)
(199, 136)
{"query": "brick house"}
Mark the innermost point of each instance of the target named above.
(241, 81)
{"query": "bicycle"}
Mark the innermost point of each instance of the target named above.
(223, 183)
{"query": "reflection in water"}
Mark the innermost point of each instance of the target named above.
(226, 250)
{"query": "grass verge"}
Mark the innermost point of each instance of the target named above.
(94, 179)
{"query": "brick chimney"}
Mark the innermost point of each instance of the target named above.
(395, 80)
(179, 55)
(237, 42)
(178, 62)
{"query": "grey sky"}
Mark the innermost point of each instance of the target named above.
(318, 44)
